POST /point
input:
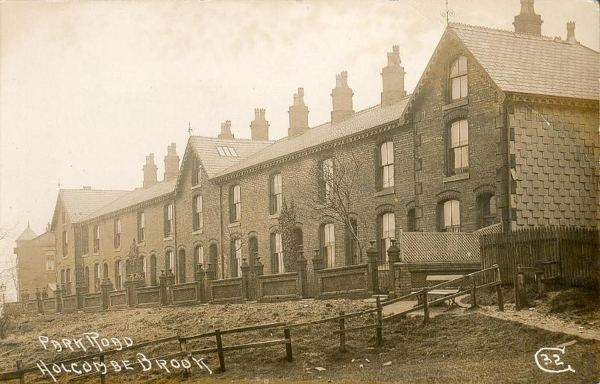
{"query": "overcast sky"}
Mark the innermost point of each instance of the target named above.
(88, 89)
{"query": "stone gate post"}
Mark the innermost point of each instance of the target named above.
(373, 259)
(393, 257)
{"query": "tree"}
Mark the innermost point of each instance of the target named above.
(287, 228)
(339, 195)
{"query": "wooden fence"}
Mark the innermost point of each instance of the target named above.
(569, 256)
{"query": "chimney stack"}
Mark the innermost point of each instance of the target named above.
(226, 131)
(393, 78)
(527, 21)
(342, 99)
(150, 169)
(298, 115)
(259, 127)
(571, 32)
(171, 163)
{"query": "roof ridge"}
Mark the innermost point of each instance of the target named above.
(94, 190)
(505, 31)
(232, 140)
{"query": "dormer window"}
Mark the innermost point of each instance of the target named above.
(458, 78)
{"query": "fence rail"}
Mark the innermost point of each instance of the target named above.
(570, 256)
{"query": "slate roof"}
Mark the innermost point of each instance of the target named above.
(79, 203)
(357, 123)
(213, 162)
(135, 197)
(27, 234)
(532, 64)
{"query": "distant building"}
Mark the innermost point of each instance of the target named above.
(502, 128)
(36, 262)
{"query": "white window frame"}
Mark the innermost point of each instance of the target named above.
(329, 243)
(459, 87)
(237, 202)
(388, 232)
(198, 213)
(387, 164)
(458, 151)
(327, 170)
(142, 227)
(279, 252)
(277, 191)
(451, 216)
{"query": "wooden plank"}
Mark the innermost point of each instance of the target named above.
(198, 336)
(259, 344)
(442, 277)
(442, 299)
(13, 375)
(204, 351)
(405, 312)
(254, 327)
(347, 330)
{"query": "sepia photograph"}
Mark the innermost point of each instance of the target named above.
(300, 191)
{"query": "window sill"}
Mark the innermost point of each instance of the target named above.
(460, 176)
(141, 243)
(235, 224)
(168, 238)
(385, 192)
(118, 249)
(197, 186)
(274, 216)
(198, 232)
(455, 104)
(85, 255)
(96, 253)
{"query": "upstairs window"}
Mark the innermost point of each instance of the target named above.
(197, 173)
(458, 78)
(449, 216)
(326, 182)
(458, 147)
(96, 238)
(276, 193)
(328, 244)
(386, 165)
(277, 265)
(235, 203)
(85, 241)
(168, 218)
(198, 255)
(49, 262)
(386, 234)
(141, 227)
(197, 210)
(65, 243)
(117, 239)
(169, 261)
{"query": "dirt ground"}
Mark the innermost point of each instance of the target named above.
(458, 345)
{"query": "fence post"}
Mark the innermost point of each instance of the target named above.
(259, 270)
(342, 334)
(105, 288)
(499, 289)
(473, 292)
(162, 279)
(301, 263)
(183, 348)
(425, 306)
(210, 276)
(393, 257)
(39, 302)
(80, 289)
(245, 280)
(220, 350)
(379, 328)
(21, 373)
(199, 275)
(317, 266)
(60, 291)
(288, 345)
(102, 375)
(373, 258)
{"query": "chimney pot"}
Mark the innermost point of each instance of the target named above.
(150, 169)
(171, 163)
(527, 21)
(393, 78)
(226, 131)
(259, 127)
(571, 32)
(298, 115)
(341, 97)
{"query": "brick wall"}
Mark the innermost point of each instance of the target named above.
(431, 116)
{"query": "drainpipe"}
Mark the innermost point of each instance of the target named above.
(221, 230)
(509, 165)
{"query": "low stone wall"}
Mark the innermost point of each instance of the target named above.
(343, 282)
(49, 305)
(148, 296)
(69, 303)
(186, 293)
(117, 298)
(279, 287)
(412, 276)
(226, 290)
(92, 301)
